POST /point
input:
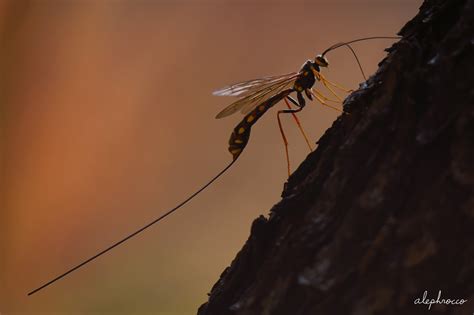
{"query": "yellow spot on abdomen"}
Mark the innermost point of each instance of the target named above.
(241, 130)
(238, 141)
(250, 118)
(261, 108)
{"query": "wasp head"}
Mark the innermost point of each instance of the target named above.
(321, 61)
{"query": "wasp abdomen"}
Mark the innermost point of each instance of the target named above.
(240, 136)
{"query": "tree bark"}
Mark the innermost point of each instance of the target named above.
(383, 210)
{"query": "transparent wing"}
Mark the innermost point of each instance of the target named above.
(246, 87)
(252, 92)
(257, 98)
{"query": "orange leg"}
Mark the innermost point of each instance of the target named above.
(321, 95)
(299, 126)
(323, 78)
(331, 90)
(324, 103)
(285, 141)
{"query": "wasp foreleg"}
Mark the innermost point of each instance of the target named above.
(323, 102)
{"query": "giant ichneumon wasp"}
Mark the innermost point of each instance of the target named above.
(259, 95)
(255, 98)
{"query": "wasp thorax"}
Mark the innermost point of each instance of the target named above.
(321, 61)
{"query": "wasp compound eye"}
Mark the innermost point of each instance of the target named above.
(321, 61)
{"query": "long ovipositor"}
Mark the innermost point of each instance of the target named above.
(240, 136)
(251, 92)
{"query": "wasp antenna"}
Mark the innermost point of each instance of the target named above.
(134, 233)
(358, 40)
(357, 59)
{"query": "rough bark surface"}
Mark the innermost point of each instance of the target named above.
(383, 209)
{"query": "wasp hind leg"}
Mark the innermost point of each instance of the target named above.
(285, 141)
(298, 123)
(293, 113)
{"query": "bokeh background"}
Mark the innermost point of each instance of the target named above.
(107, 120)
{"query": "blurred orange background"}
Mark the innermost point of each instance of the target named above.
(107, 120)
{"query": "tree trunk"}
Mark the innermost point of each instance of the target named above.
(383, 210)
